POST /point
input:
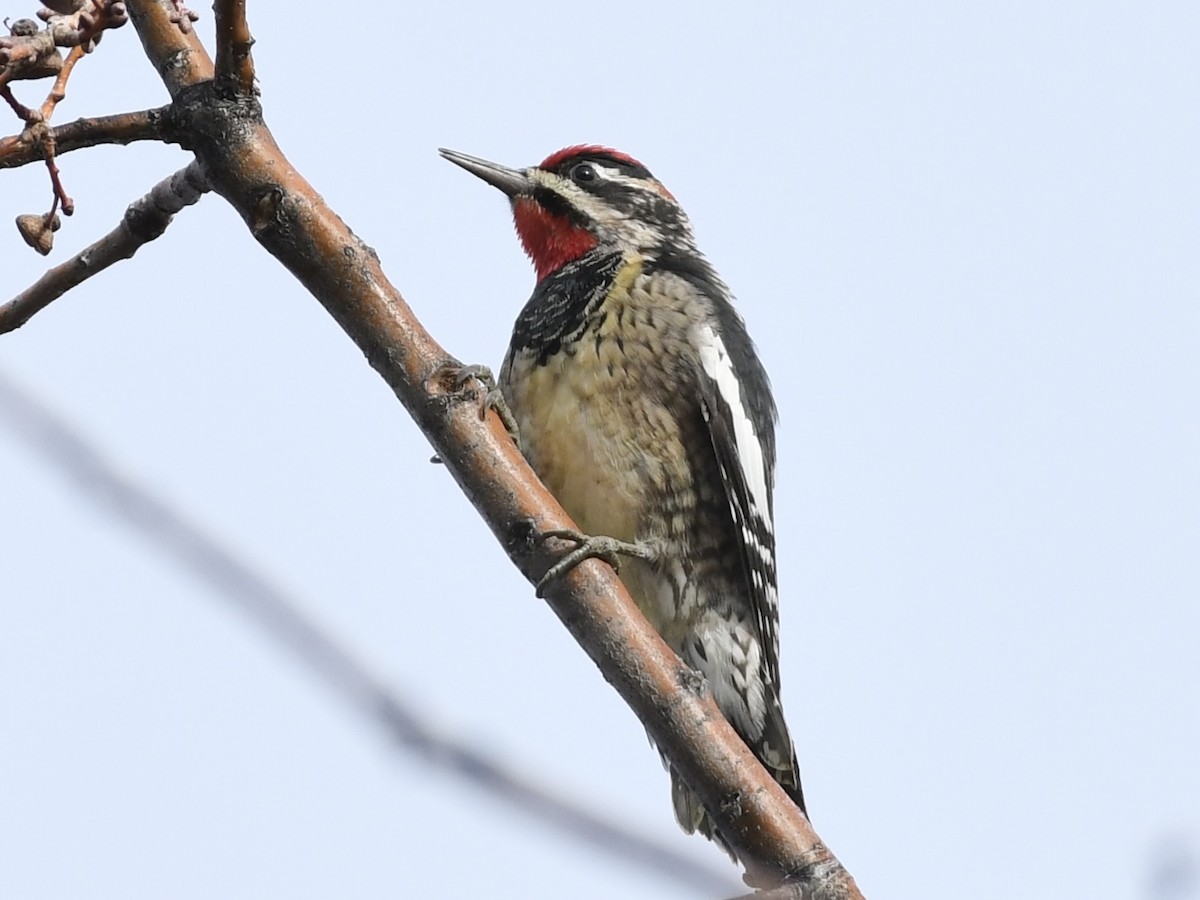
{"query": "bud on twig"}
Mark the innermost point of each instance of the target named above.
(38, 230)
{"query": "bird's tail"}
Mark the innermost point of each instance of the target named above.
(774, 750)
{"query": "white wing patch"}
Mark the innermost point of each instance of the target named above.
(715, 360)
(747, 483)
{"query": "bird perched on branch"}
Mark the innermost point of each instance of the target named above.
(640, 402)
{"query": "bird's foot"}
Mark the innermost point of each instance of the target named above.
(492, 399)
(588, 546)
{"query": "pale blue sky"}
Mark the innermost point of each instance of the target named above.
(965, 239)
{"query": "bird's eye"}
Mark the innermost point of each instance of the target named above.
(583, 173)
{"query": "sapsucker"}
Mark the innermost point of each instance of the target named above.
(643, 407)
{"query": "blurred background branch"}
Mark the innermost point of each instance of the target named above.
(171, 532)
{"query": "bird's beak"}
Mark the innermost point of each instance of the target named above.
(512, 181)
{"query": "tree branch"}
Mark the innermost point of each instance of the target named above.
(788, 891)
(100, 17)
(172, 47)
(290, 219)
(235, 65)
(28, 53)
(144, 220)
(122, 128)
(31, 53)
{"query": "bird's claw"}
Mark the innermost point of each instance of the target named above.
(492, 399)
(587, 546)
(476, 371)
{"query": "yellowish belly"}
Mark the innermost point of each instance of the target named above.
(577, 439)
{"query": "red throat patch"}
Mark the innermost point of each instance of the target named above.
(551, 241)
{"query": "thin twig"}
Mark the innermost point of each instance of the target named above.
(33, 54)
(60, 192)
(89, 28)
(144, 220)
(86, 25)
(172, 532)
(234, 64)
(59, 91)
(24, 113)
(122, 128)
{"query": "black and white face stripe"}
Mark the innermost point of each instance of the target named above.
(619, 202)
(569, 168)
